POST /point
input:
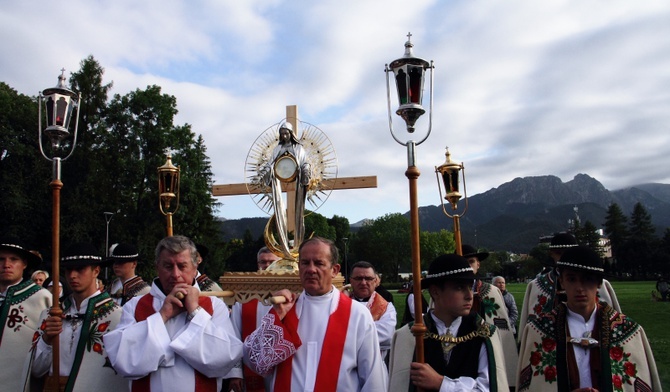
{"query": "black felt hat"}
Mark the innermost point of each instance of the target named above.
(202, 250)
(123, 253)
(471, 251)
(14, 245)
(81, 255)
(563, 241)
(581, 258)
(448, 267)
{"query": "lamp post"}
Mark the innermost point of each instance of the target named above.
(168, 190)
(108, 218)
(59, 103)
(409, 72)
(450, 173)
(346, 266)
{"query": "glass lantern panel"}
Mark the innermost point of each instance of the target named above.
(61, 111)
(167, 183)
(401, 83)
(415, 83)
(49, 104)
(451, 181)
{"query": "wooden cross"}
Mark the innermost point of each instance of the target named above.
(338, 183)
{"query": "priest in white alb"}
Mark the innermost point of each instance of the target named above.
(320, 340)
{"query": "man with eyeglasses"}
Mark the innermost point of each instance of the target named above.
(363, 283)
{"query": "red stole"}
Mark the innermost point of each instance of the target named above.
(331, 353)
(145, 309)
(252, 381)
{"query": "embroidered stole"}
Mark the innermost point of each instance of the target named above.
(252, 381)
(98, 307)
(331, 352)
(145, 309)
(377, 306)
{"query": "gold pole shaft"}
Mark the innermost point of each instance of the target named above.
(418, 329)
(169, 224)
(457, 235)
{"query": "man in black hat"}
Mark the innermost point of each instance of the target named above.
(88, 314)
(544, 292)
(584, 344)
(558, 245)
(204, 281)
(127, 284)
(21, 303)
(489, 303)
(462, 351)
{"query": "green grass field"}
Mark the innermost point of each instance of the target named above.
(635, 301)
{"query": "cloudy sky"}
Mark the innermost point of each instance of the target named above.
(522, 88)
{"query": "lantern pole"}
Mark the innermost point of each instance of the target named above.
(60, 104)
(408, 72)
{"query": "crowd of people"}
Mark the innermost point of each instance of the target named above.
(165, 336)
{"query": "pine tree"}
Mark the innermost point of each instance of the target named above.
(616, 229)
(642, 244)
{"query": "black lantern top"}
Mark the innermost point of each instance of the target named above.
(409, 72)
(60, 103)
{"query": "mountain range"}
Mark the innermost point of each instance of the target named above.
(513, 216)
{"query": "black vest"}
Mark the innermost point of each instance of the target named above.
(464, 359)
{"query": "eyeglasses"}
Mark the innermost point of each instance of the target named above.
(360, 278)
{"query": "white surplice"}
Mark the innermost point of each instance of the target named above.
(170, 351)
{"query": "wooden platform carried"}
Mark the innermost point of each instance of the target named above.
(261, 285)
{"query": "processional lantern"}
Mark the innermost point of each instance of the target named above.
(60, 103)
(168, 190)
(409, 73)
(451, 172)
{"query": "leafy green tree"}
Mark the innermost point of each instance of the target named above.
(317, 224)
(120, 145)
(385, 242)
(492, 265)
(434, 244)
(341, 226)
(25, 205)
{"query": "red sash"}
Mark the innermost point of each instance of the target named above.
(252, 381)
(145, 309)
(331, 353)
